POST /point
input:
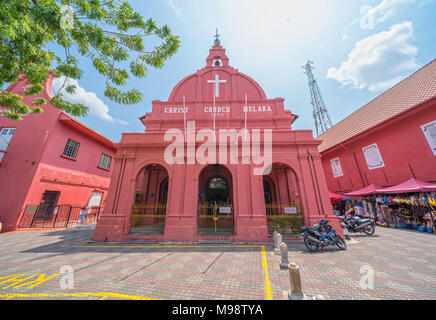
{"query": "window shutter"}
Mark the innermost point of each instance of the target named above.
(373, 157)
(336, 167)
(95, 199)
(429, 131)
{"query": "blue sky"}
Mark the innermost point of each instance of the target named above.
(359, 49)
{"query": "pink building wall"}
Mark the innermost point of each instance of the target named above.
(401, 143)
(296, 150)
(33, 161)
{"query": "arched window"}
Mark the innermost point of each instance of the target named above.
(217, 190)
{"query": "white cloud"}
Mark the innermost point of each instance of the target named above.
(177, 11)
(384, 10)
(379, 61)
(96, 106)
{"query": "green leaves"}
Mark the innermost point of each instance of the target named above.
(128, 97)
(74, 109)
(14, 105)
(39, 102)
(109, 33)
(138, 69)
(33, 89)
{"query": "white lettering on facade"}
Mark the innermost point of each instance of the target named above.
(216, 109)
(176, 110)
(257, 109)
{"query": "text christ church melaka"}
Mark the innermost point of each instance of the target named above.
(176, 181)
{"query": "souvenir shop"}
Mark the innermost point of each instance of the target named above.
(409, 205)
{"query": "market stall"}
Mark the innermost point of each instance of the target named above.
(369, 190)
(335, 196)
(337, 203)
(365, 205)
(408, 205)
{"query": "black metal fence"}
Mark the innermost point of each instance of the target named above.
(57, 216)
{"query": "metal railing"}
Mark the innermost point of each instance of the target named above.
(57, 216)
(285, 218)
(216, 218)
(148, 214)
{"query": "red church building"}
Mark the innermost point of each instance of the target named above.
(50, 159)
(387, 141)
(218, 160)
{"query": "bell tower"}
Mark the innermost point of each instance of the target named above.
(217, 54)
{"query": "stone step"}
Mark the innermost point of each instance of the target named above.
(139, 241)
(214, 242)
(149, 233)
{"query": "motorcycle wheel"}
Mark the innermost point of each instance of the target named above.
(369, 229)
(340, 243)
(310, 245)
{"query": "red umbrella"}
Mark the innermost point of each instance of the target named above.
(335, 196)
(412, 185)
(371, 189)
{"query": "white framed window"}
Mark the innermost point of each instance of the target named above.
(5, 138)
(336, 167)
(373, 157)
(95, 199)
(71, 148)
(429, 130)
(105, 161)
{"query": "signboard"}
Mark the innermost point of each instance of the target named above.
(373, 157)
(336, 167)
(429, 130)
(226, 210)
(290, 210)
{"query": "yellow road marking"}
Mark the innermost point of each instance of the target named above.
(268, 291)
(16, 282)
(102, 295)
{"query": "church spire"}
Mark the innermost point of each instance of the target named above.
(217, 54)
(217, 41)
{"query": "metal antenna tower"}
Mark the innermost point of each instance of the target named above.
(320, 114)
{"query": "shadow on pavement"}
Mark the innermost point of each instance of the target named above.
(79, 239)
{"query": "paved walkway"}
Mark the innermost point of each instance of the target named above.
(403, 265)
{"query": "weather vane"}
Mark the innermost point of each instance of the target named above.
(217, 41)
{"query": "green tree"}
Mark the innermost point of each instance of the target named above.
(109, 33)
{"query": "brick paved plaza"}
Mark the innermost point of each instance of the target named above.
(404, 265)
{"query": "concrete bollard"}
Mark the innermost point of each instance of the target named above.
(279, 241)
(275, 239)
(284, 254)
(346, 234)
(296, 292)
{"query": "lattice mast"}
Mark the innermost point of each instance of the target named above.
(320, 113)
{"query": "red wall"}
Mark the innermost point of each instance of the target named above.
(33, 161)
(88, 155)
(401, 143)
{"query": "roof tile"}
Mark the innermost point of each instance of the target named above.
(415, 89)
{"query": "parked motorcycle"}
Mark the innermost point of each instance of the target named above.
(357, 224)
(320, 236)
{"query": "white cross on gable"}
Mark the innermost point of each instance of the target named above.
(217, 82)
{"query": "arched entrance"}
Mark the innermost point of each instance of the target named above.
(151, 194)
(282, 200)
(215, 201)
